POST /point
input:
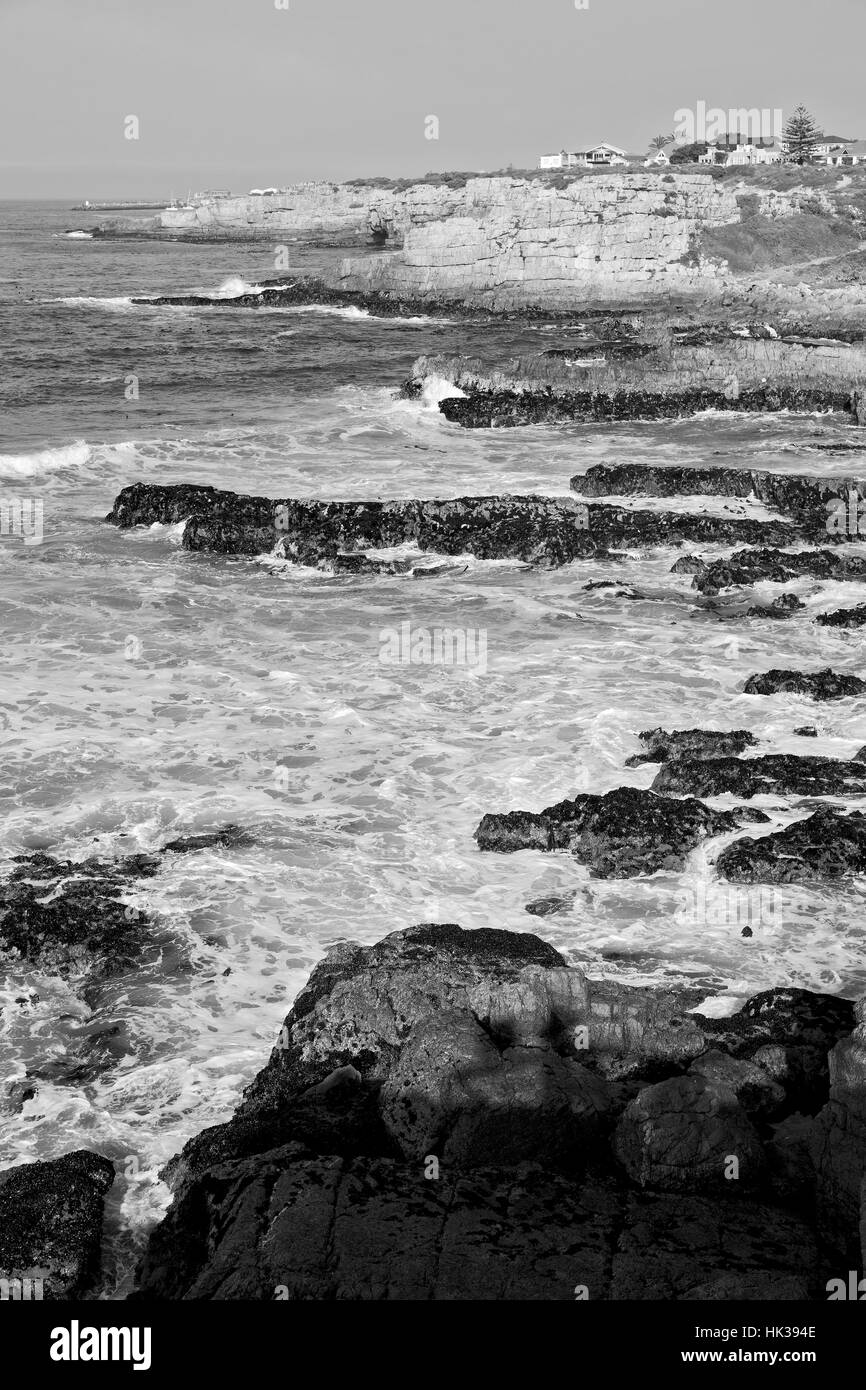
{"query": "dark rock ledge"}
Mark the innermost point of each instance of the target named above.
(68, 916)
(801, 496)
(619, 835)
(826, 846)
(773, 773)
(805, 498)
(747, 567)
(454, 1115)
(844, 617)
(818, 685)
(537, 530)
(662, 747)
(503, 408)
(310, 291)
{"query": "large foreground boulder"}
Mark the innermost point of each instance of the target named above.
(461, 1115)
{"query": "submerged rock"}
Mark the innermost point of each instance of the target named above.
(819, 685)
(51, 1223)
(825, 846)
(772, 773)
(549, 907)
(618, 835)
(663, 747)
(69, 916)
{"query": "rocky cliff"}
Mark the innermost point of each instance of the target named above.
(321, 209)
(506, 242)
(608, 238)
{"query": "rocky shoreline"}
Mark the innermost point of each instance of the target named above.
(461, 1115)
(464, 1115)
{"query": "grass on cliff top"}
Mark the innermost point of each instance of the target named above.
(764, 243)
(780, 177)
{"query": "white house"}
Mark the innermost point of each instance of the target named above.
(852, 153)
(595, 155)
(661, 158)
(747, 153)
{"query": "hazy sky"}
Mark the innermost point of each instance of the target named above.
(238, 93)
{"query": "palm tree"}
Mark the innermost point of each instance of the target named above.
(658, 142)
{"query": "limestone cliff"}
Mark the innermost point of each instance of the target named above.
(318, 209)
(515, 242)
(607, 238)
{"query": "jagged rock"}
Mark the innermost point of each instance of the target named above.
(818, 685)
(455, 1034)
(825, 846)
(662, 747)
(806, 731)
(51, 1222)
(636, 1032)
(772, 773)
(623, 833)
(688, 564)
(760, 1096)
(278, 1205)
(843, 617)
(746, 567)
(785, 606)
(681, 1135)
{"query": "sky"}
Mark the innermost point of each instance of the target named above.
(235, 94)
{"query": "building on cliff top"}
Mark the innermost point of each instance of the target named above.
(595, 156)
(661, 158)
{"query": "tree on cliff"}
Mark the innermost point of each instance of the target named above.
(658, 142)
(688, 154)
(802, 135)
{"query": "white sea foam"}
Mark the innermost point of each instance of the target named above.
(121, 301)
(63, 458)
(45, 460)
(350, 311)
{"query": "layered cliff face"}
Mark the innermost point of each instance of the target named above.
(509, 243)
(320, 209)
(608, 238)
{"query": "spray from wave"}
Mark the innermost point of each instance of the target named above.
(233, 288)
(64, 456)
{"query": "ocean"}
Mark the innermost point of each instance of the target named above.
(149, 693)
